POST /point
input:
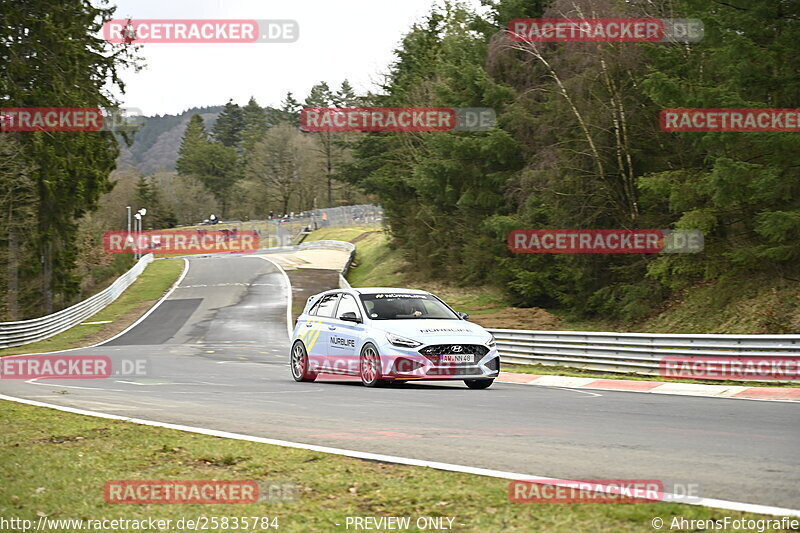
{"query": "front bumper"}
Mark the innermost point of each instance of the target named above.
(410, 364)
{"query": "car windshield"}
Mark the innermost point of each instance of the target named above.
(402, 306)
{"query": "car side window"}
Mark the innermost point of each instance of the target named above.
(326, 305)
(348, 305)
(313, 310)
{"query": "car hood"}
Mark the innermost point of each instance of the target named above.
(434, 331)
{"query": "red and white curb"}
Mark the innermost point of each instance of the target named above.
(775, 394)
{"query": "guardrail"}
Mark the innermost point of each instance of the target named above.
(37, 329)
(631, 352)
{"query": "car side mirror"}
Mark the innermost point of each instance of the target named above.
(463, 316)
(349, 316)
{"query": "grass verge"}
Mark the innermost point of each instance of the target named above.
(56, 464)
(124, 311)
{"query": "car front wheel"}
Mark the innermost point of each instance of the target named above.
(370, 367)
(299, 363)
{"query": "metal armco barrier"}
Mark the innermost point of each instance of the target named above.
(37, 329)
(631, 352)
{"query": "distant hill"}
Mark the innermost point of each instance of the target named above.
(155, 145)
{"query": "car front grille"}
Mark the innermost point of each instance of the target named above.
(439, 349)
(454, 371)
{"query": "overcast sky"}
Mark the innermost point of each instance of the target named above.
(339, 39)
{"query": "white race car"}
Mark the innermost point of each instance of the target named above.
(379, 335)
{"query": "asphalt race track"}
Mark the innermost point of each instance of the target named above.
(217, 352)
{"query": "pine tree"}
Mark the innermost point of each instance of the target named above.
(229, 125)
(288, 113)
(254, 118)
(195, 138)
(149, 195)
(345, 96)
(53, 55)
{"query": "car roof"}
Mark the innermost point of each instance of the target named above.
(375, 290)
(370, 290)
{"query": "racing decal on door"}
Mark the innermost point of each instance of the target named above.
(310, 336)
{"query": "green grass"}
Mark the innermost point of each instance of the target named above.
(57, 463)
(756, 305)
(149, 287)
(337, 234)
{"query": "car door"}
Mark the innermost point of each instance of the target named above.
(345, 336)
(316, 332)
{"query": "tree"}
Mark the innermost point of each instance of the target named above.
(229, 125)
(18, 213)
(345, 96)
(742, 190)
(288, 113)
(255, 125)
(195, 137)
(280, 164)
(321, 96)
(214, 164)
(159, 212)
(53, 55)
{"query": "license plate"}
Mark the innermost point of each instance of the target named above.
(457, 358)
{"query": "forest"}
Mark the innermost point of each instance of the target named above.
(577, 144)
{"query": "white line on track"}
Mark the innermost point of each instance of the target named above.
(594, 394)
(60, 386)
(289, 328)
(674, 498)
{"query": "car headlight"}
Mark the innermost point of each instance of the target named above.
(492, 342)
(405, 342)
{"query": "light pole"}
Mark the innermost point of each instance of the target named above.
(128, 235)
(140, 217)
(136, 225)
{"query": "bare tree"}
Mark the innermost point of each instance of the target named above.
(281, 164)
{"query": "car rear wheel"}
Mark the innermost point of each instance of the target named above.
(299, 363)
(479, 383)
(370, 367)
